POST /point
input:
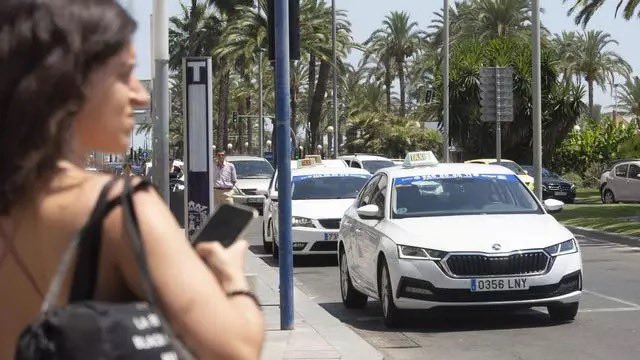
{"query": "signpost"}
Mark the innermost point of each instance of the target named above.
(198, 199)
(496, 99)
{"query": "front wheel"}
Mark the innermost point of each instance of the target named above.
(351, 298)
(563, 313)
(389, 310)
(608, 197)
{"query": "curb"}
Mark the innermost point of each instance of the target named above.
(607, 236)
(346, 342)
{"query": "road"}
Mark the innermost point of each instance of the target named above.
(607, 326)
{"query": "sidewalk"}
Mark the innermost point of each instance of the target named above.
(607, 236)
(317, 334)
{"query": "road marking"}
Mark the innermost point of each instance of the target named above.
(610, 310)
(612, 298)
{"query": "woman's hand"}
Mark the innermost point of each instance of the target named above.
(227, 264)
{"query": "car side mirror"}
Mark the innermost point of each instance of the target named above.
(553, 206)
(526, 172)
(274, 196)
(369, 212)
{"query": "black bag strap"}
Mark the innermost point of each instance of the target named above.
(58, 279)
(131, 223)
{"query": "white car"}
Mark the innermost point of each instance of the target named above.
(621, 183)
(267, 206)
(371, 163)
(426, 235)
(319, 197)
(254, 174)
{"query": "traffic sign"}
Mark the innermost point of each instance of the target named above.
(496, 94)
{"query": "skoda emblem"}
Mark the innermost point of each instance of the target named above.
(496, 247)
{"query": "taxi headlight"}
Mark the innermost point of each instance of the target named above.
(567, 247)
(544, 187)
(298, 221)
(412, 252)
(573, 187)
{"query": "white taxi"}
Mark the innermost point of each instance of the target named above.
(271, 192)
(319, 197)
(426, 235)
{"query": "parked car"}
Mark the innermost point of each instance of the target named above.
(371, 163)
(621, 183)
(511, 165)
(254, 174)
(554, 186)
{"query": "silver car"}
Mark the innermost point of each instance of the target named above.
(621, 183)
(254, 174)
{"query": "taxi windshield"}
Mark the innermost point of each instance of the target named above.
(374, 165)
(253, 169)
(327, 186)
(461, 194)
(511, 166)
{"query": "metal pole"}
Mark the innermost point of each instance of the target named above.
(445, 90)
(498, 73)
(161, 90)
(261, 99)
(335, 78)
(283, 113)
(537, 105)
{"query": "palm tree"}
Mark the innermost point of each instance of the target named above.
(396, 41)
(597, 64)
(488, 19)
(586, 8)
(194, 33)
(566, 46)
(629, 96)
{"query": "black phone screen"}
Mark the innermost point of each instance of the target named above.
(225, 225)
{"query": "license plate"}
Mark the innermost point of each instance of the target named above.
(560, 193)
(254, 200)
(330, 236)
(503, 284)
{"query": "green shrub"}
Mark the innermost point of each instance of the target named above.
(574, 178)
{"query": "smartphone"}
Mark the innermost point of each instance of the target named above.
(225, 225)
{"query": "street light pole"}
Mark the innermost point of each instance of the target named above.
(536, 96)
(161, 102)
(445, 90)
(335, 78)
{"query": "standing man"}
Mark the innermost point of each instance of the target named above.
(225, 180)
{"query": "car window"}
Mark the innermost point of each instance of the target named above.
(367, 192)
(327, 186)
(634, 172)
(374, 165)
(511, 166)
(621, 170)
(354, 164)
(253, 169)
(461, 194)
(380, 194)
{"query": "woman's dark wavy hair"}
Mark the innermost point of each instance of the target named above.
(48, 48)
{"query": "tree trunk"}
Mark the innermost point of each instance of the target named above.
(224, 109)
(239, 128)
(220, 128)
(387, 86)
(402, 87)
(590, 85)
(312, 77)
(315, 113)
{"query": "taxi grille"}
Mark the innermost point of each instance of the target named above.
(330, 223)
(483, 265)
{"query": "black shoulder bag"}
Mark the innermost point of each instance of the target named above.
(102, 330)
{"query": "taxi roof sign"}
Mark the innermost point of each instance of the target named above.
(305, 163)
(420, 158)
(317, 158)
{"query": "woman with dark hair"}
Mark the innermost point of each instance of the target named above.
(67, 88)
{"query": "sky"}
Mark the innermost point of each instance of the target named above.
(363, 23)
